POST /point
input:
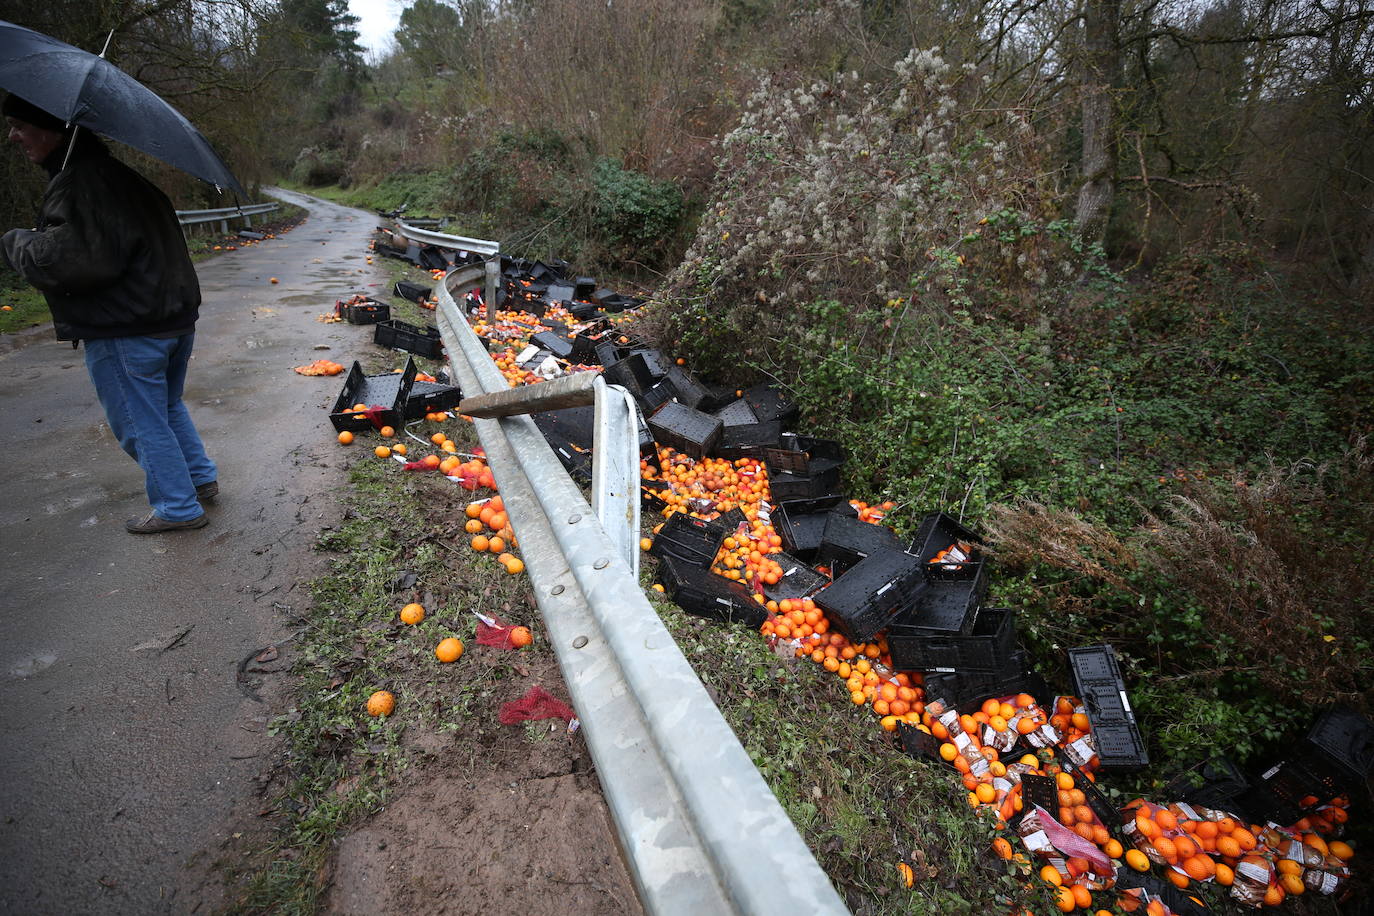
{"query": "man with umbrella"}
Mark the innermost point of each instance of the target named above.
(110, 258)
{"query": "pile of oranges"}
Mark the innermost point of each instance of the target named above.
(491, 532)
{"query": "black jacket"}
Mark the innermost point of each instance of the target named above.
(108, 252)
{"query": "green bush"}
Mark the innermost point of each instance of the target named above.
(633, 210)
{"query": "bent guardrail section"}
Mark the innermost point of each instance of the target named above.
(701, 830)
(223, 215)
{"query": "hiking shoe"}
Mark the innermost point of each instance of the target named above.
(152, 524)
(207, 491)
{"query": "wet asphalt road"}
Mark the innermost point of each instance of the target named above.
(128, 735)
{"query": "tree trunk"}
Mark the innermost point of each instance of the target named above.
(1101, 76)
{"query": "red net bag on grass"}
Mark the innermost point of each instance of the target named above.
(495, 632)
(537, 703)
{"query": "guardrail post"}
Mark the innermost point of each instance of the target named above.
(615, 469)
(493, 272)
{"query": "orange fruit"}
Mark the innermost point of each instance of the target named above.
(412, 614)
(387, 432)
(1228, 847)
(382, 451)
(473, 526)
(1137, 860)
(381, 703)
(1065, 900)
(1082, 896)
(495, 544)
(1245, 838)
(1112, 848)
(905, 876)
(480, 542)
(449, 650)
(521, 637)
(1225, 876)
(1166, 820)
(438, 438)
(1341, 850)
(1002, 848)
(1165, 847)
(345, 438)
(1177, 878)
(1199, 868)
(1050, 875)
(1274, 895)
(1186, 848)
(986, 793)
(473, 510)
(498, 521)
(430, 461)
(399, 448)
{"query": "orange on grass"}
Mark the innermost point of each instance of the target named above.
(387, 432)
(412, 614)
(345, 438)
(905, 876)
(1002, 848)
(473, 526)
(498, 520)
(495, 544)
(473, 510)
(382, 451)
(521, 637)
(438, 438)
(399, 448)
(381, 703)
(449, 650)
(430, 461)
(480, 542)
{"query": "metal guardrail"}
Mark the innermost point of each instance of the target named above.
(701, 830)
(224, 214)
(487, 249)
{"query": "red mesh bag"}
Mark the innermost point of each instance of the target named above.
(537, 703)
(495, 632)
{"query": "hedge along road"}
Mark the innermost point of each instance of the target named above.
(129, 731)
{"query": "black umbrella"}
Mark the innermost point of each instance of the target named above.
(84, 89)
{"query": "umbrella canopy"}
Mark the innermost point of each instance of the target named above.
(87, 90)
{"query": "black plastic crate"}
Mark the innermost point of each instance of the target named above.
(1213, 783)
(943, 608)
(861, 602)
(429, 397)
(781, 460)
(1278, 793)
(688, 539)
(653, 491)
(1098, 682)
(768, 403)
(1180, 903)
(369, 311)
(747, 440)
(938, 532)
(736, 413)
(1108, 813)
(389, 391)
(689, 431)
(1346, 740)
(413, 339)
(704, 594)
(569, 433)
(557, 344)
(686, 389)
(846, 541)
(782, 487)
(1042, 791)
(966, 692)
(798, 579)
(801, 523)
(988, 648)
(918, 743)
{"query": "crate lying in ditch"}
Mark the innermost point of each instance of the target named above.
(947, 548)
(1098, 682)
(986, 649)
(798, 580)
(966, 692)
(704, 594)
(689, 431)
(864, 600)
(847, 540)
(1333, 759)
(1214, 782)
(689, 540)
(941, 608)
(800, 523)
(362, 310)
(389, 391)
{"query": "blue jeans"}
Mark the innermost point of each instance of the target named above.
(139, 381)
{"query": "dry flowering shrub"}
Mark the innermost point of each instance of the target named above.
(877, 194)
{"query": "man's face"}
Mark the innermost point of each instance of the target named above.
(36, 142)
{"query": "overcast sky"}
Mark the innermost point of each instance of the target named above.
(376, 21)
